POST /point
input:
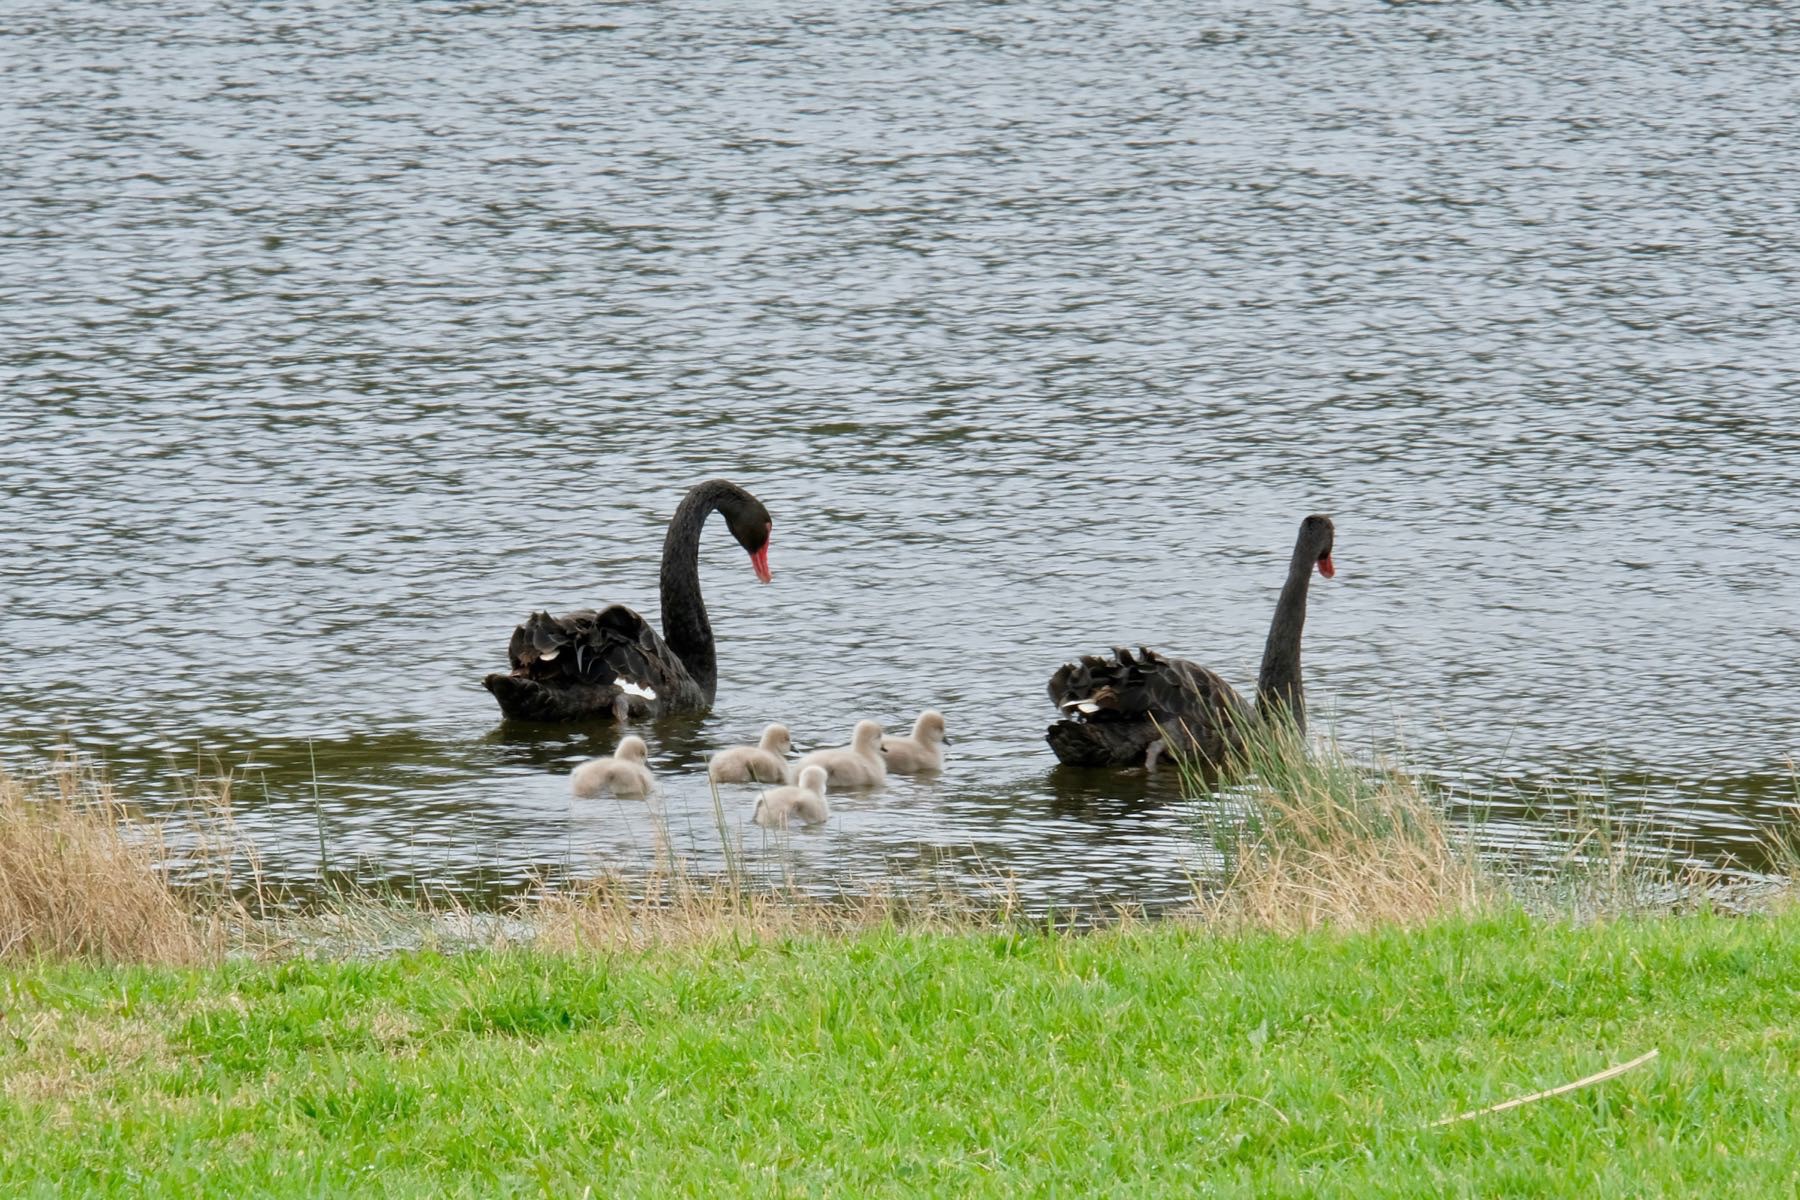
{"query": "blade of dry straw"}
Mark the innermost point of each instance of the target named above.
(1597, 1077)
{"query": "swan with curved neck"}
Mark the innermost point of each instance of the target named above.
(1126, 709)
(586, 665)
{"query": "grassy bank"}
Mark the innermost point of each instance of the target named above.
(1359, 976)
(1140, 1061)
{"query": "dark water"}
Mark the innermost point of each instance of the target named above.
(335, 337)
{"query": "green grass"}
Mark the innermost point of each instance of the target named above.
(1148, 1061)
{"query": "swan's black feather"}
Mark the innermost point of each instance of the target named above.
(1115, 707)
(573, 665)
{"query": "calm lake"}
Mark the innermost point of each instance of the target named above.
(336, 337)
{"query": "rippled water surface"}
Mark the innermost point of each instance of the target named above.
(335, 337)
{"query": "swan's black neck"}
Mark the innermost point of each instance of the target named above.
(685, 627)
(1278, 686)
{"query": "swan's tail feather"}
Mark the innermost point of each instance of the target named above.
(539, 642)
(1098, 687)
(525, 699)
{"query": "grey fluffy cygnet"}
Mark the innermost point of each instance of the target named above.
(804, 802)
(857, 765)
(623, 773)
(923, 751)
(765, 762)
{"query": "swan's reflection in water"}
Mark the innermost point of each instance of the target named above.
(1103, 795)
(680, 740)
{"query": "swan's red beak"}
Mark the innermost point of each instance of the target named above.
(759, 562)
(1325, 567)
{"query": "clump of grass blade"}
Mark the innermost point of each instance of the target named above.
(1312, 839)
(80, 879)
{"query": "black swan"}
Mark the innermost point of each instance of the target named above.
(1127, 709)
(585, 665)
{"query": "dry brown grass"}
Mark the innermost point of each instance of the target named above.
(78, 879)
(1326, 843)
(673, 907)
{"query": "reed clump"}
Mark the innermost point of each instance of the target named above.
(1311, 839)
(81, 879)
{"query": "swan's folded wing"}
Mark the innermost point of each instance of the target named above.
(1183, 688)
(1114, 709)
(1077, 682)
(612, 646)
(633, 653)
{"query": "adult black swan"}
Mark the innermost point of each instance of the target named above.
(1124, 710)
(587, 665)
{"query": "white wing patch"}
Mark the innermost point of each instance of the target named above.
(635, 689)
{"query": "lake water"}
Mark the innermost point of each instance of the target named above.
(336, 337)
